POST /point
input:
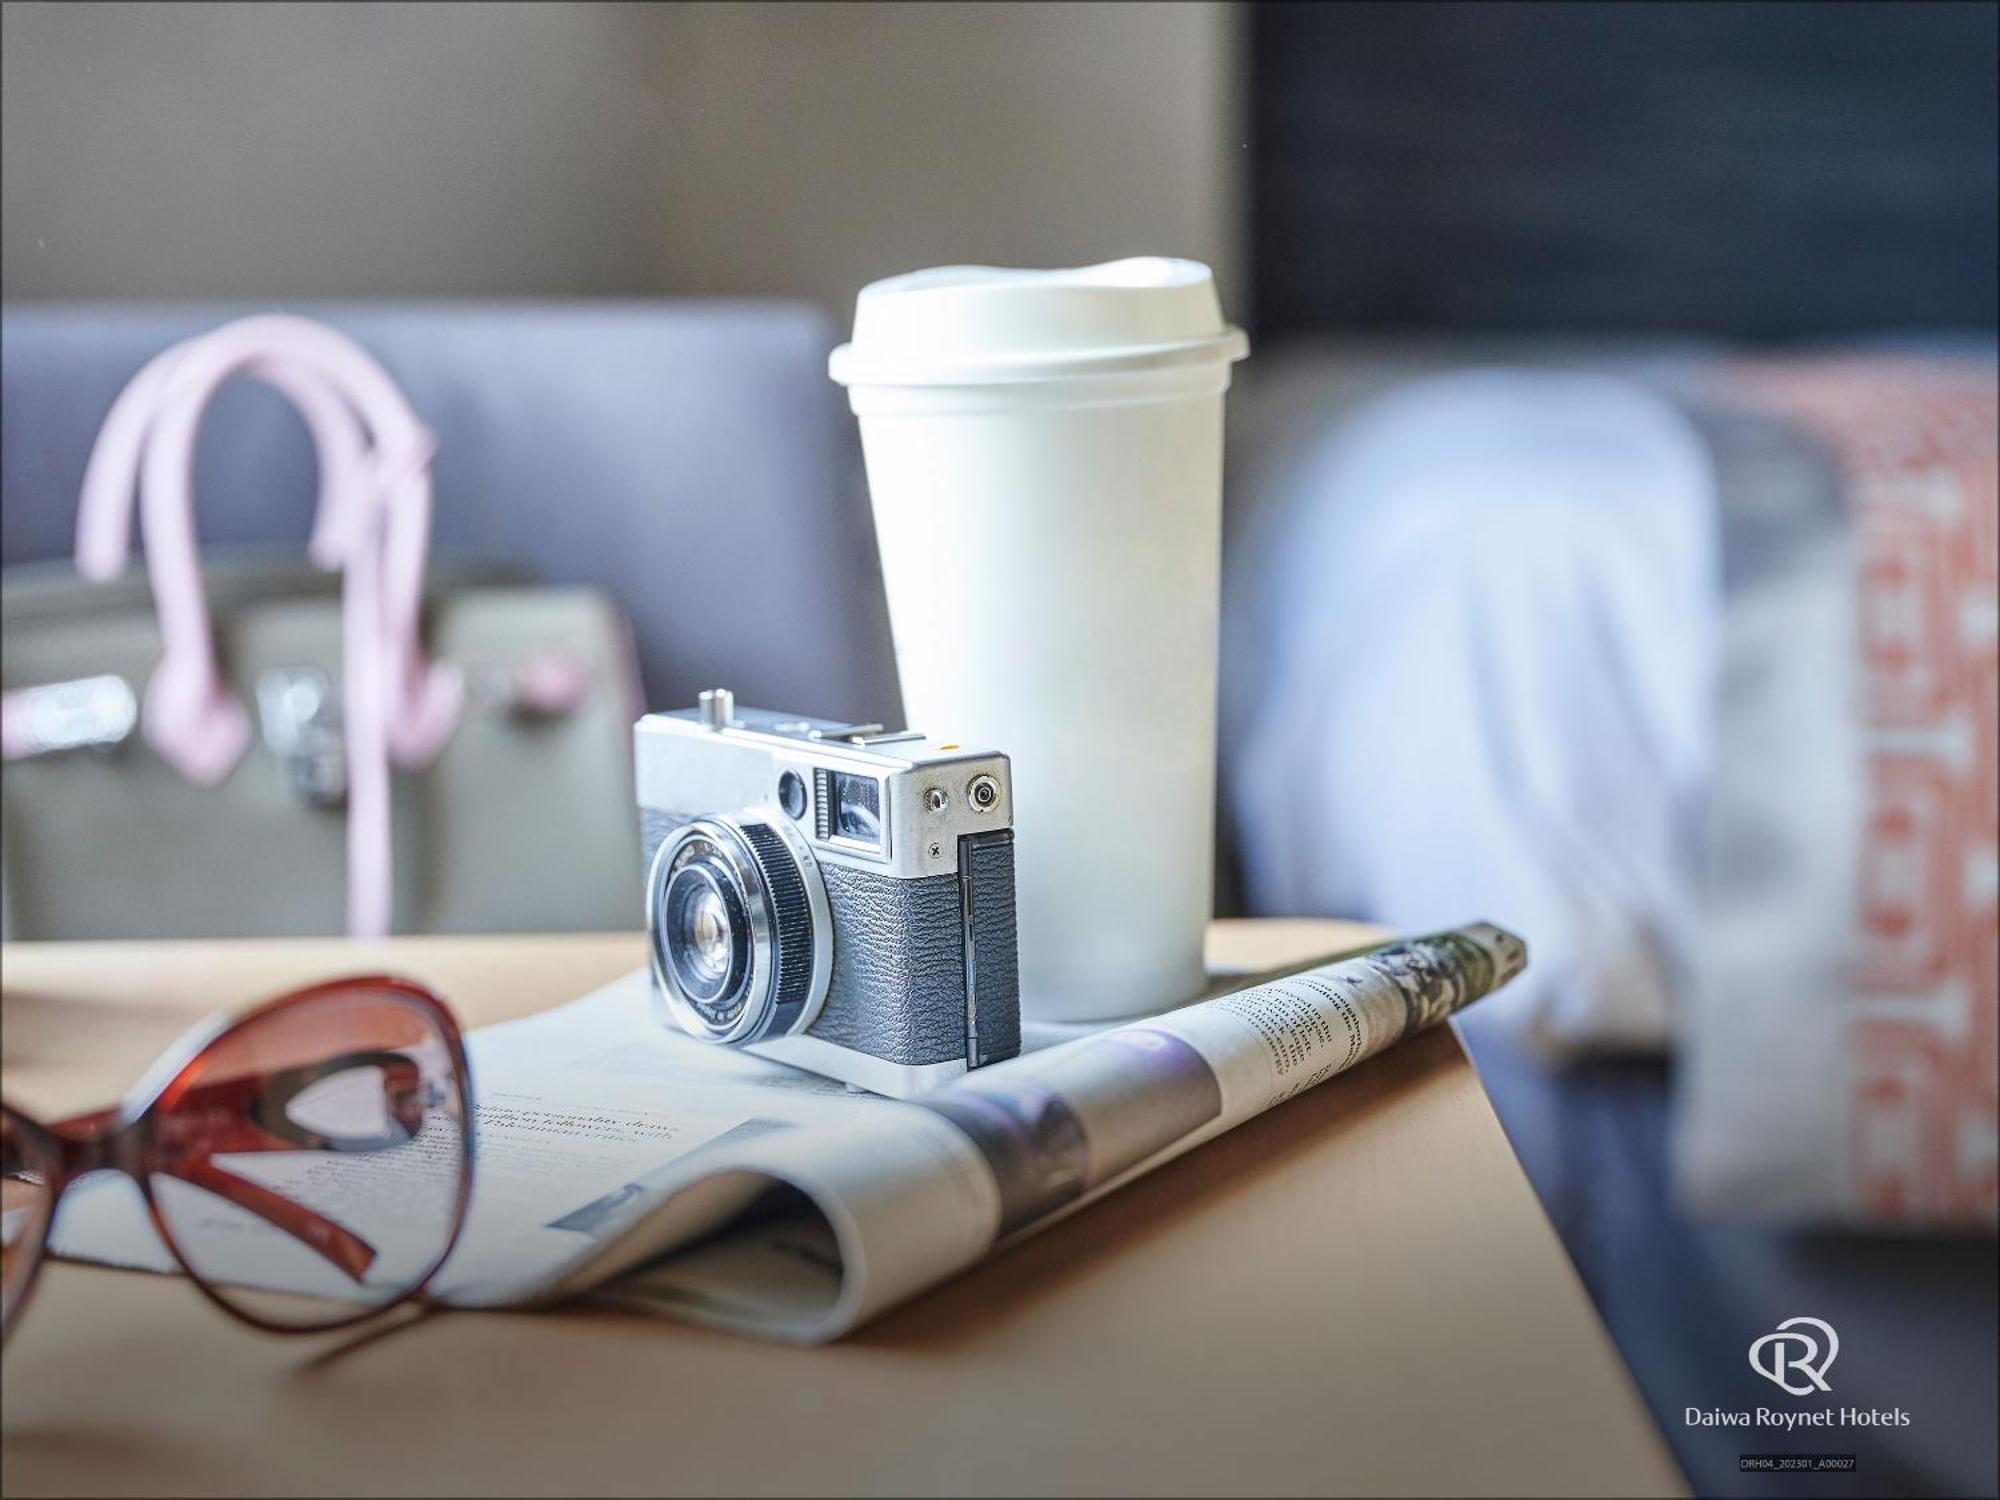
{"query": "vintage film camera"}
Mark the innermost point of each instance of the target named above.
(835, 896)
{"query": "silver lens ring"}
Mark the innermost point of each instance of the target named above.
(742, 940)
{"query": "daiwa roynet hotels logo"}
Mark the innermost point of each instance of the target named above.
(1795, 1357)
(1777, 1356)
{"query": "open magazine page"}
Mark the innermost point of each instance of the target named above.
(618, 1157)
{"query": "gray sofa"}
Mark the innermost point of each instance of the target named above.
(690, 457)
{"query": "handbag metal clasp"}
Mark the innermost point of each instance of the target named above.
(299, 714)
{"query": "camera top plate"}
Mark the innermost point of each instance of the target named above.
(870, 744)
(928, 793)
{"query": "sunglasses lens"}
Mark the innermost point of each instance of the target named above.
(313, 1161)
(26, 1197)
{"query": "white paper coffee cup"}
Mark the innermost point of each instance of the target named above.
(1044, 453)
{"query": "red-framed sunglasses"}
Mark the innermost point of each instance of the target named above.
(307, 1162)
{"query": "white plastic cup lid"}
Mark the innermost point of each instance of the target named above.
(975, 325)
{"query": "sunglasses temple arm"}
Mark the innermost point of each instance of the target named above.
(345, 1249)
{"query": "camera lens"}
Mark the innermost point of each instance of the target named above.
(705, 931)
(742, 941)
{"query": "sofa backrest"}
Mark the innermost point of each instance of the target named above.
(689, 456)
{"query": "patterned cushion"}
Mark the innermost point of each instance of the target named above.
(1842, 1061)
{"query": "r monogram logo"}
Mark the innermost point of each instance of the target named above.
(1776, 1355)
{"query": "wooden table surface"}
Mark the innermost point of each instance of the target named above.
(1355, 1293)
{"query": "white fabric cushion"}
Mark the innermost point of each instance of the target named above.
(1469, 675)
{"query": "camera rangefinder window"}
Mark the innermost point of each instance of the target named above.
(857, 809)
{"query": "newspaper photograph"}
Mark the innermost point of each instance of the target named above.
(621, 1160)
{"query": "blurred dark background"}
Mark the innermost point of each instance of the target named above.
(1769, 171)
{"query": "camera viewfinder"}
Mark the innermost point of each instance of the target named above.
(857, 808)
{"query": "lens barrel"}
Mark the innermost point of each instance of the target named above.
(741, 936)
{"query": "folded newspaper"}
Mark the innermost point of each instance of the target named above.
(620, 1160)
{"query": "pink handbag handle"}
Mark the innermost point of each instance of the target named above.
(373, 521)
(192, 719)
